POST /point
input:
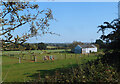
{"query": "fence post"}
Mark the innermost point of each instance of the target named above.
(19, 59)
(22, 57)
(9, 55)
(25, 57)
(65, 56)
(35, 58)
(30, 57)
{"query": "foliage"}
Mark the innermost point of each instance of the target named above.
(112, 51)
(97, 45)
(89, 72)
(24, 46)
(113, 37)
(59, 45)
(74, 44)
(17, 14)
(100, 43)
(34, 46)
(112, 54)
(41, 46)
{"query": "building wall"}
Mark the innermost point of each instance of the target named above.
(88, 50)
(78, 49)
(84, 50)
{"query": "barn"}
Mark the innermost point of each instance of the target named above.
(85, 48)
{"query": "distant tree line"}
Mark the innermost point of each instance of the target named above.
(43, 46)
(34, 46)
(25, 46)
(59, 45)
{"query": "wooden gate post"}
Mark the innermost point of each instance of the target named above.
(35, 58)
(65, 56)
(25, 58)
(19, 59)
(30, 57)
(22, 57)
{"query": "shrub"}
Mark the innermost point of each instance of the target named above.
(90, 72)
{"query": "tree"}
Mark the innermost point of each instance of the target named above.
(17, 14)
(28, 47)
(75, 43)
(100, 43)
(113, 37)
(112, 54)
(98, 46)
(34, 47)
(42, 46)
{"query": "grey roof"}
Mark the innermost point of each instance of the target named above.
(87, 46)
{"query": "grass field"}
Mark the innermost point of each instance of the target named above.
(13, 71)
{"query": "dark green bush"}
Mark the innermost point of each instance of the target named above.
(90, 72)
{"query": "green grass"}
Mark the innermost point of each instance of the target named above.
(35, 51)
(51, 47)
(13, 71)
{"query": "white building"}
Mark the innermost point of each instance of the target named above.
(86, 48)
